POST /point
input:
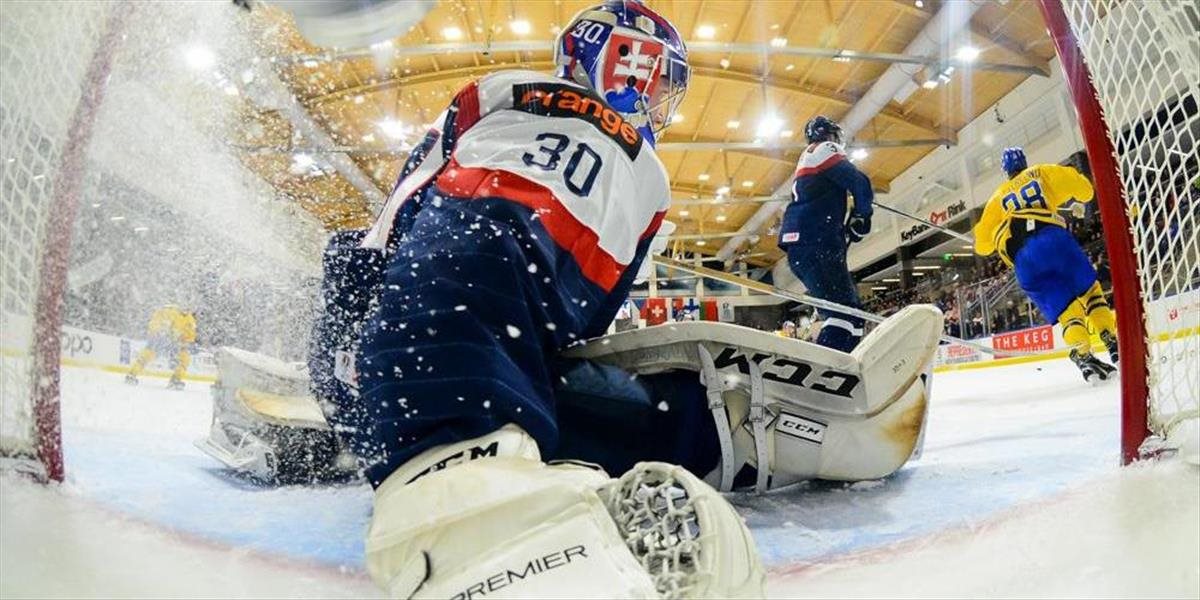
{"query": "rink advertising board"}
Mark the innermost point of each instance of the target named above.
(1035, 338)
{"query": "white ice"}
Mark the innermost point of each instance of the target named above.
(1018, 493)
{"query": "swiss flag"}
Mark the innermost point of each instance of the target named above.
(709, 311)
(655, 311)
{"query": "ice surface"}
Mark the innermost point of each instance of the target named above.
(1017, 493)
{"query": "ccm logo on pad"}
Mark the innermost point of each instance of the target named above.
(801, 427)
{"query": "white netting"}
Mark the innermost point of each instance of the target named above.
(45, 50)
(1144, 59)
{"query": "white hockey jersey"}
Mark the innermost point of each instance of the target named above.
(551, 145)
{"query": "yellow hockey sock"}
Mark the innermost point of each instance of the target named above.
(1099, 315)
(143, 357)
(1074, 328)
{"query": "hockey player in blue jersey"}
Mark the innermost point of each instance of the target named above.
(816, 231)
(515, 230)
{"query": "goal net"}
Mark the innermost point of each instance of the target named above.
(120, 192)
(1134, 73)
(49, 56)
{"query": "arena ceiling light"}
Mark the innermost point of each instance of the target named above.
(392, 127)
(706, 32)
(677, 118)
(927, 267)
(200, 57)
(684, 213)
(733, 124)
(721, 191)
(786, 133)
(701, 242)
(452, 33)
(778, 42)
(748, 183)
(967, 53)
(520, 27)
(859, 153)
(302, 160)
(769, 126)
(721, 218)
(702, 177)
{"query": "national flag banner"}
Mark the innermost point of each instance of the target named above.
(628, 310)
(726, 311)
(710, 312)
(655, 311)
(677, 309)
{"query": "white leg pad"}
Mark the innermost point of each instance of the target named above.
(504, 525)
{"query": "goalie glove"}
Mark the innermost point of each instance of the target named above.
(858, 227)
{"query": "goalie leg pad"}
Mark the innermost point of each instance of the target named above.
(504, 525)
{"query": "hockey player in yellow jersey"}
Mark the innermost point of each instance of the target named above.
(172, 332)
(1021, 223)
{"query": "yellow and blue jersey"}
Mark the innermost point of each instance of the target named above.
(174, 323)
(1027, 200)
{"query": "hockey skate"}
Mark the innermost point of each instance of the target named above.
(175, 383)
(1110, 342)
(131, 379)
(1093, 369)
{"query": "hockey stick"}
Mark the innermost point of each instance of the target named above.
(765, 288)
(946, 230)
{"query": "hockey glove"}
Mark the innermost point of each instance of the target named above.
(858, 227)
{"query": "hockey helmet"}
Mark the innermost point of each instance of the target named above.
(1013, 161)
(629, 55)
(823, 129)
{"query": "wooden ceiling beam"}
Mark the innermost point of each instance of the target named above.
(423, 79)
(694, 47)
(1012, 46)
(844, 100)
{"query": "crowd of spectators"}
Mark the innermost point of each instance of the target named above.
(975, 282)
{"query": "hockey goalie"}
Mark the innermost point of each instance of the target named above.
(510, 458)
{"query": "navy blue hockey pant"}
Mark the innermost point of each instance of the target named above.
(463, 337)
(823, 271)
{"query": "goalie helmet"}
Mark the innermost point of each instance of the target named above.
(632, 57)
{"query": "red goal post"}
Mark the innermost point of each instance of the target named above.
(1123, 64)
(50, 100)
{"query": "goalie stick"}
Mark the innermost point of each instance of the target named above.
(765, 288)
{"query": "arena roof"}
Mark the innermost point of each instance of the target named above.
(754, 63)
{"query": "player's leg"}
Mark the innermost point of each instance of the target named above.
(824, 272)
(143, 358)
(471, 312)
(1101, 319)
(615, 418)
(183, 359)
(1056, 275)
(485, 517)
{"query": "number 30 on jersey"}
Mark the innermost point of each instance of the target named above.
(582, 166)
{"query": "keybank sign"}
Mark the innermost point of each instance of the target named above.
(937, 217)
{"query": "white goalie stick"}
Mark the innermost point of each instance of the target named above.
(765, 288)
